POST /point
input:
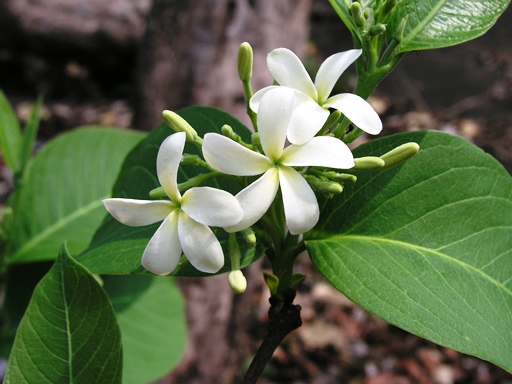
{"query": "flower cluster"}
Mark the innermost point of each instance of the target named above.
(295, 110)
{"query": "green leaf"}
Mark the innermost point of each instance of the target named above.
(443, 23)
(150, 311)
(10, 135)
(427, 245)
(60, 198)
(69, 333)
(116, 248)
(29, 135)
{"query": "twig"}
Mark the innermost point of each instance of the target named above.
(284, 317)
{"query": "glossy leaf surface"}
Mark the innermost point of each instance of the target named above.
(427, 245)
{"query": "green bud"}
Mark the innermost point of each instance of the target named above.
(329, 187)
(157, 193)
(368, 163)
(237, 282)
(400, 154)
(255, 139)
(272, 282)
(245, 60)
(297, 279)
(376, 30)
(249, 237)
(179, 124)
(357, 14)
(340, 177)
(190, 159)
(399, 36)
(387, 7)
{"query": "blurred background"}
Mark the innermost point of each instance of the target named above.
(120, 63)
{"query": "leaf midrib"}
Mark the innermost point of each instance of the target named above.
(59, 224)
(416, 248)
(420, 26)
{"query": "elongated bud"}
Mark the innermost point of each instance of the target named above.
(245, 60)
(157, 193)
(190, 159)
(399, 36)
(272, 282)
(237, 282)
(340, 177)
(387, 7)
(368, 163)
(376, 30)
(357, 14)
(327, 187)
(179, 124)
(249, 237)
(400, 154)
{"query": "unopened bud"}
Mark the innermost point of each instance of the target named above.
(400, 154)
(179, 124)
(340, 177)
(255, 139)
(237, 282)
(399, 35)
(368, 163)
(387, 7)
(329, 187)
(357, 14)
(249, 237)
(245, 60)
(376, 30)
(157, 193)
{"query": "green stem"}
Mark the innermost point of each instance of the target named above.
(247, 96)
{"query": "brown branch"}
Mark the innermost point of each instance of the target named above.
(284, 317)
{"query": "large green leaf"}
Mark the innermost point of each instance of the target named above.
(427, 245)
(150, 311)
(443, 23)
(69, 333)
(431, 24)
(10, 135)
(116, 248)
(60, 199)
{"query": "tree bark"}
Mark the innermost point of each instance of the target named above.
(189, 52)
(189, 56)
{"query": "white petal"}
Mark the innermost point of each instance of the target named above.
(321, 151)
(212, 206)
(227, 156)
(255, 101)
(167, 163)
(286, 68)
(307, 119)
(357, 110)
(256, 199)
(331, 70)
(136, 213)
(274, 115)
(200, 245)
(163, 251)
(300, 204)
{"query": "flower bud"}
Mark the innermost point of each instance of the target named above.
(387, 7)
(400, 154)
(179, 124)
(376, 30)
(340, 177)
(357, 14)
(245, 60)
(399, 36)
(249, 237)
(237, 282)
(368, 163)
(255, 139)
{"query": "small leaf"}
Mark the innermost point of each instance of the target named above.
(10, 135)
(427, 245)
(60, 199)
(150, 311)
(69, 332)
(117, 248)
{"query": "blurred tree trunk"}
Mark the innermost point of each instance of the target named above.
(188, 56)
(189, 52)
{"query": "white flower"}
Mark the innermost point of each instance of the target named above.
(300, 204)
(185, 218)
(312, 99)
